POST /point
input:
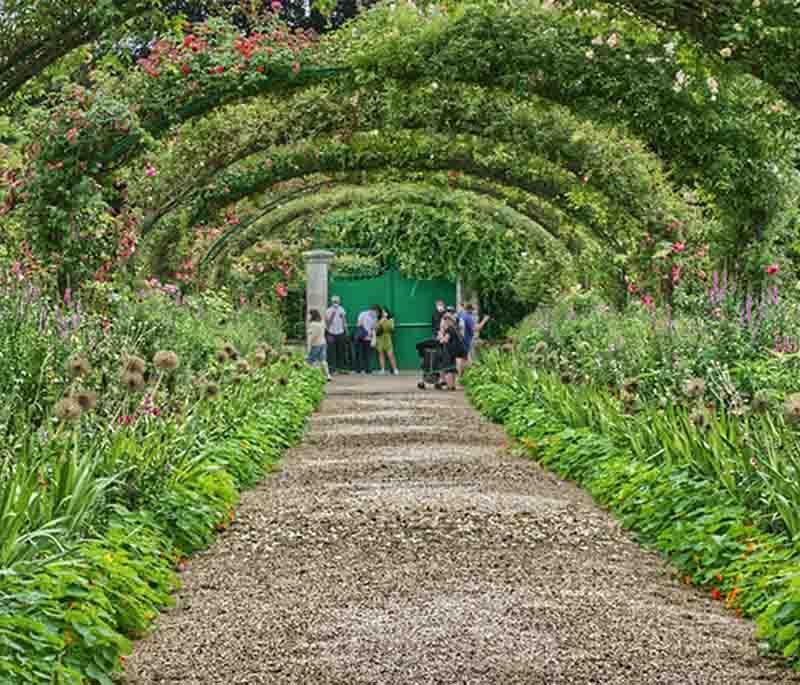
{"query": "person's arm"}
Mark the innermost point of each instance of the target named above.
(479, 326)
(329, 317)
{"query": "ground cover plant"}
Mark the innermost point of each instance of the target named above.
(684, 425)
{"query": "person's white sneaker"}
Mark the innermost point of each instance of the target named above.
(395, 372)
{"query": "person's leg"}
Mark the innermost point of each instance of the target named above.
(323, 360)
(366, 351)
(392, 361)
(382, 360)
(357, 358)
(340, 352)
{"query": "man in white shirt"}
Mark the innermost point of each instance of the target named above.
(336, 327)
(365, 331)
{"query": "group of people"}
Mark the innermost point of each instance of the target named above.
(333, 345)
(336, 349)
(456, 331)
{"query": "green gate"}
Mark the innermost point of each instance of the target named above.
(411, 302)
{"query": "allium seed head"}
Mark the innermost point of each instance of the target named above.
(699, 418)
(165, 360)
(791, 409)
(68, 410)
(210, 391)
(78, 366)
(695, 388)
(761, 402)
(242, 366)
(222, 356)
(630, 385)
(87, 399)
(133, 382)
(133, 364)
(231, 351)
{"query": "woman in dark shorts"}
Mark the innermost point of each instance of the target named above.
(453, 349)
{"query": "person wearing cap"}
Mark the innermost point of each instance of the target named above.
(336, 328)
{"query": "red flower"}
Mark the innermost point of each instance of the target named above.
(678, 247)
(260, 69)
(676, 274)
(186, 70)
(716, 594)
(772, 269)
(632, 288)
(647, 300)
(281, 290)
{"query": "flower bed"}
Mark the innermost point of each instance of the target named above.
(71, 618)
(132, 420)
(666, 479)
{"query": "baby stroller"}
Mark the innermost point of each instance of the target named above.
(430, 358)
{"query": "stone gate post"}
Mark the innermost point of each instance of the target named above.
(317, 263)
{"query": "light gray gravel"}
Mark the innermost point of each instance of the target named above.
(402, 544)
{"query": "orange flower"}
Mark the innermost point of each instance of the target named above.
(719, 577)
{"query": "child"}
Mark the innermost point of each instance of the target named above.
(318, 353)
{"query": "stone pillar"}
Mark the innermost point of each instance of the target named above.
(317, 263)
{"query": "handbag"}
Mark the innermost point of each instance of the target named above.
(373, 338)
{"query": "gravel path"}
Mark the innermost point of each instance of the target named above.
(401, 544)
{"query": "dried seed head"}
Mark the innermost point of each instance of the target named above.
(242, 366)
(68, 410)
(78, 366)
(87, 399)
(133, 364)
(259, 358)
(791, 409)
(541, 348)
(165, 360)
(631, 385)
(231, 351)
(761, 402)
(699, 418)
(566, 378)
(222, 356)
(133, 382)
(283, 381)
(210, 391)
(695, 388)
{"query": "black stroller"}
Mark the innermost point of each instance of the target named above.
(430, 360)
